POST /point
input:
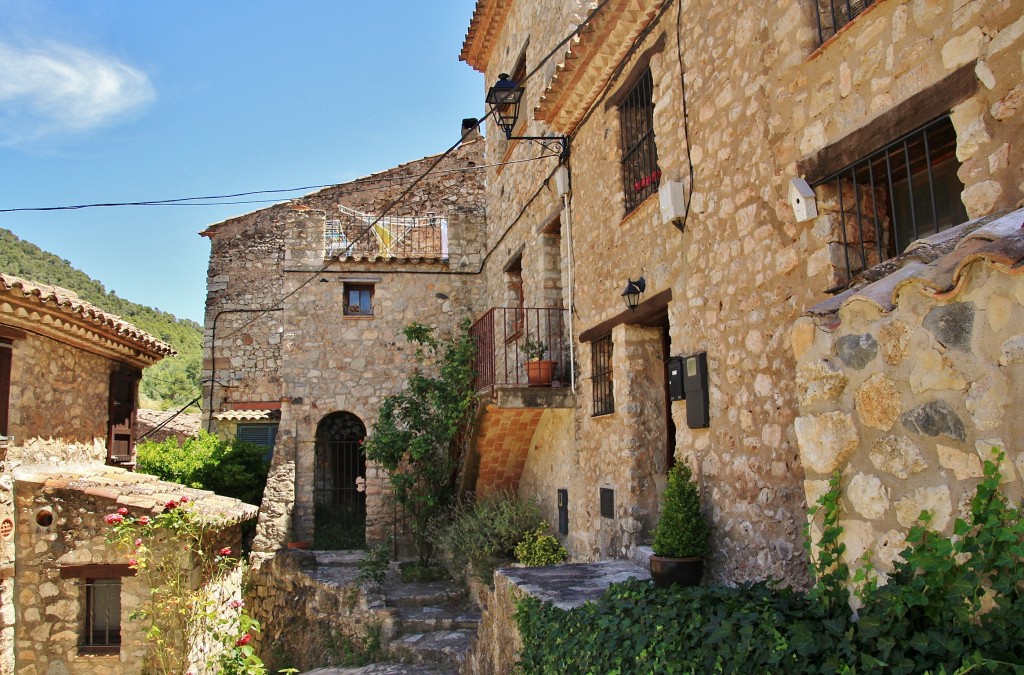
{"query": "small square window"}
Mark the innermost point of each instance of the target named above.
(101, 629)
(358, 300)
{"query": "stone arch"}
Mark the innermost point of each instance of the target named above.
(339, 481)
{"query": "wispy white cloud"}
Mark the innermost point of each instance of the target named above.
(56, 89)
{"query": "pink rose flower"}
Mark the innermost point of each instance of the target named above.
(138, 543)
(236, 604)
(113, 518)
(132, 562)
(184, 499)
(171, 505)
(123, 511)
(143, 520)
(225, 551)
(244, 640)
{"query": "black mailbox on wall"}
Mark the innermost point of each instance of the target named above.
(674, 367)
(695, 387)
(563, 511)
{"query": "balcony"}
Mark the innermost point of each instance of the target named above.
(362, 236)
(508, 340)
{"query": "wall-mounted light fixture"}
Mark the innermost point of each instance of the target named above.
(634, 289)
(504, 98)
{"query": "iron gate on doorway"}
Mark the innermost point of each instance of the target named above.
(339, 482)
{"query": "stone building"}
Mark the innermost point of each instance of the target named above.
(68, 382)
(686, 125)
(305, 309)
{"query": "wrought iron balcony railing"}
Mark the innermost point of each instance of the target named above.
(508, 341)
(834, 14)
(366, 237)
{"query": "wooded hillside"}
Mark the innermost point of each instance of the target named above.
(171, 383)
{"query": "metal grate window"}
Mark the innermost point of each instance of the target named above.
(834, 14)
(601, 365)
(101, 633)
(905, 191)
(640, 172)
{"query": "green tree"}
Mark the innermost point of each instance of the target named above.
(416, 436)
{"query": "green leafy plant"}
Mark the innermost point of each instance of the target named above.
(414, 571)
(538, 548)
(374, 566)
(951, 605)
(231, 468)
(534, 349)
(681, 531)
(416, 436)
(481, 534)
(193, 584)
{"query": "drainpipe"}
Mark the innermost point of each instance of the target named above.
(562, 184)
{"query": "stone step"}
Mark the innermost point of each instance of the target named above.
(421, 594)
(445, 648)
(384, 669)
(426, 619)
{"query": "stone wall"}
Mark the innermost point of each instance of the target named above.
(907, 403)
(763, 100)
(308, 620)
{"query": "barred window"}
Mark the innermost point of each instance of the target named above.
(640, 172)
(906, 191)
(834, 14)
(601, 367)
(101, 630)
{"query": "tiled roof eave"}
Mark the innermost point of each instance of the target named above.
(485, 26)
(591, 59)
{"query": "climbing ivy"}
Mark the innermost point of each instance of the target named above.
(416, 436)
(951, 605)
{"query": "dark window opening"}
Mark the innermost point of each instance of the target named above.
(640, 172)
(101, 630)
(904, 192)
(124, 390)
(6, 349)
(515, 299)
(601, 366)
(264, 435)
(834, 14)
(358, 299)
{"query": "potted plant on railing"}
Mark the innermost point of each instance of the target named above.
(681, 536)
(539, 371)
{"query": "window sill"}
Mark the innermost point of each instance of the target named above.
(113, 651)
(644, 209)
(360, 317)
(843, 29)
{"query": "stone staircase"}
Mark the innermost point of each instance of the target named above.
(431, 625)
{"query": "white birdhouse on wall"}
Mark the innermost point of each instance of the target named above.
(801, 198)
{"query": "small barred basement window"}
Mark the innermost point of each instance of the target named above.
(834, 14)
(601, 367)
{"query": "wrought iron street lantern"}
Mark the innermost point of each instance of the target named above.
(504, 99)
(634, 289)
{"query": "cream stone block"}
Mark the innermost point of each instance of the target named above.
(964, 465)
(878, 402)
(980, 199)
(1006, 37)
(859, 538)
(935, 500)
(826, 440)
(818, 261)
(893, 339)
(927, 10)
(845, 79)
(1000, 159)
(868, 496)
(801, 338)
(1012, 351)
(814, 138)
(898, 456)
(814, 490)
(819, 380)
(985, 447)
(986, 400)
(964, 48)
(1007, 107)
(889, 548)
(933, 371)
(985, 75)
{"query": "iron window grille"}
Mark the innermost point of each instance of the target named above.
(358, 300)
(640, 172)
(101, 632)
(834, 14)
(601, 365)
(907, 190)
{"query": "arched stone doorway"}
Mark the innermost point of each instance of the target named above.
(340, 470)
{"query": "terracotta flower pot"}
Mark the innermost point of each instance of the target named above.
(304, 545)
(540, 373)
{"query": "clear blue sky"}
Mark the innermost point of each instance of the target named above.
(129, 100)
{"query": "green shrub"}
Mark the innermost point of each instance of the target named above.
(483, 533)
(374, 566)
(231, 468)
(539, 548)
(681, 531)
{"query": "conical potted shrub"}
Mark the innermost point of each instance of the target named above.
(681, 536)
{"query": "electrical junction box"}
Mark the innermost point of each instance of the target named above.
(673, 204)
(674, 370)
(695, 387)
